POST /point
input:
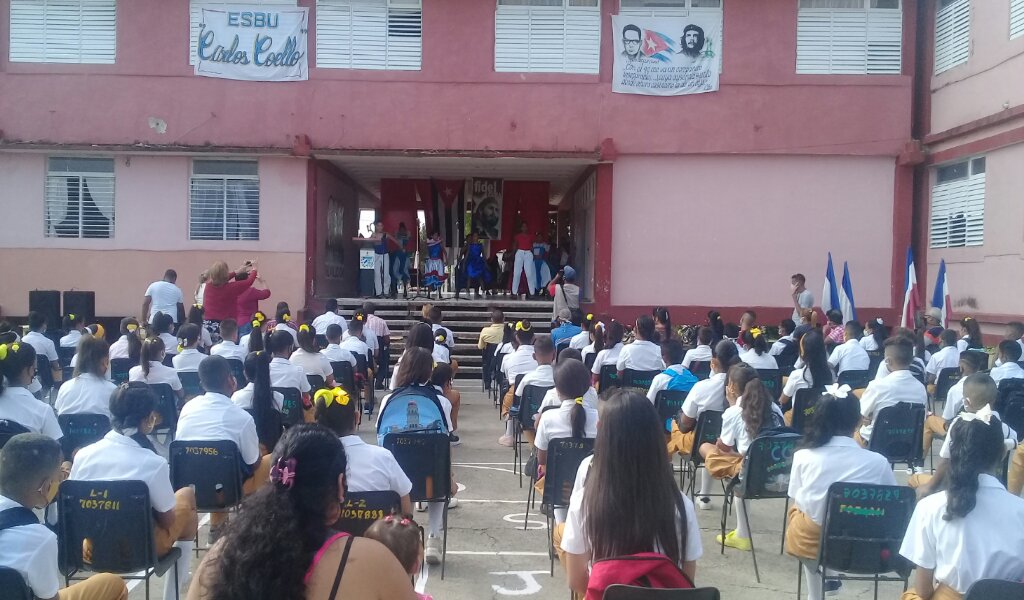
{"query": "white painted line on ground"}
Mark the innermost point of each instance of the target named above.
(461, 500)
(510, 471)
(495, 553)
(132, 584)
(466, 464)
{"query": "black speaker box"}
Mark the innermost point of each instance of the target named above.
(48, 303)
(81, 303)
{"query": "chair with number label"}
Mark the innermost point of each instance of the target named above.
(804, 403)
(608, 379)
(772, 380)
(564, 458)
(638, 380)
(291, 406)
(361, 509)
(80, 430)
(986, 589)
(669, 403)
(897, 432)
(214, 471)
(119, 368)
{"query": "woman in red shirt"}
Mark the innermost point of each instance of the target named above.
(220, 298)
(524, 260)
(248, 303)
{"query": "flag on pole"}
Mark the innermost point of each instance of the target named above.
(830, 293)
(449, 208)
(911, 303)
(940, 299)
(846, 303)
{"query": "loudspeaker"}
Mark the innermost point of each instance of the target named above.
(48, 303)
(81, 303)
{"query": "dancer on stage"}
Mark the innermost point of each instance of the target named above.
(433, 272)
(477, 273)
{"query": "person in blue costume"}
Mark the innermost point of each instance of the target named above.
(433, 273)
(477, 273)
(541, 249)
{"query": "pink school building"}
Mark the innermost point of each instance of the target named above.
(811, 144)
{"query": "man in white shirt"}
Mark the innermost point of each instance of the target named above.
(43, 346)
(164, 296)
(786, 339)
(334, 352)
(229, 348)
(378, 328)
(802, 297)
(850, 355)
(330, 317)
(899, 386)
(948, 357)
(1009, 356)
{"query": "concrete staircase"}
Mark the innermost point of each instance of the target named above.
(465, 318)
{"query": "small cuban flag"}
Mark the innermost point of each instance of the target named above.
(846, 303)
(940, 299)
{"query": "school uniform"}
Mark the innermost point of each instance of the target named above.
(158, 373)
(368, 338)
(641, 355)
(580, 340)
(849, 356)
(759, 361)
(43, 347)
(230, 350)
(1010, 370)
(869, 343)
(1008, 434)
(946, 358)
(734, 433)
(355, 346)
(701, 353)
(335, 353)
(19, 405)
(662, 381)
(954, 400)
(31, 550)
(449, 336)
(372, 468)
(551, 400)
(587, 351)
(704, 395)
(188, 360)
(518, 362)
(119, 349)
(170, 343)
(780, 346)
(312, 363)
(814, 471)
(608, 356)
(85, 394)
(899, 386)
(71, 339)
(799, 379)
(283, 374)
(441, 354)
(917, 367)
(321, 323)
(244, 340)
(243, 398)
(74, 362)
(964, 343)
(964, 550)
(286, 327)
(557, 423)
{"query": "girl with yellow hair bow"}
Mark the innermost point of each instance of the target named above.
(17, 368)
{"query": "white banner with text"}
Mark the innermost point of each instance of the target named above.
(253, 43)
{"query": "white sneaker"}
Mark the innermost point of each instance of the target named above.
(421, 507)
(505, 440)
(915, 470)
(433, 551)
(453, 502)
(704, 503)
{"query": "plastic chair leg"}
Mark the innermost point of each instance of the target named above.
(799, 578)
(444, 538)
(551, 540)
(753, 550)
(785, 521)
(529, 500)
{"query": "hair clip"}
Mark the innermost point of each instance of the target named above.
(259, 316)
(579, 401)
(284, 472)
(71, 316)
(181, 346)
(256, 323)
(303, 327)
(523, 326)
(286, 317)
(5, 347)
(332, 395)
(440, 338)
(837, 391)
(984, 415)
(131, 327)
(878, 321)
(388, 519)
(755, 332)
(197, 305)
(590, 316)
(359, 317)
(405, 522)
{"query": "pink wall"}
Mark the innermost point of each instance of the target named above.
(763, 105)
(731, 230)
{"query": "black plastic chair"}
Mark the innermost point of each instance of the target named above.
(639, 380)
(238, 370)
(706, 431)
(190, 383)
(361, 509)
(564, 458)
(291, 405)
(854, 378)
(765, 475)
(119, 368)
(875, 358)
(523, 414)
(9, 429)
(13, 586)
(630, 592)
(81, 430)
(772, 380)
(897, 433)
(1012, 413)
(117, 519)
(862, 533)
(946, 379)
(668, 403)
(1009, 392)
(701, 369)
(805, 401)
(562, 345)
(213, 470)
(987, 589)
(316, 382)
(426, 460)
(45, 373)
(167, 407)
(168, 360)
(608, 379)
(65, 354)
(344, 375)
(589, 359)
(486, 368)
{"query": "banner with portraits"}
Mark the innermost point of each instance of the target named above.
(667, 56)
(486, 197)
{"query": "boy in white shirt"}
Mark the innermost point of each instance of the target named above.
(228, 347)
(43, 346)
(934, 425)
(850, 355)
(702, 353)
(1009, 356)
(786, 339)
(354, 341)
(541, 376)
(334, 352)
(642, 354)
(899, 386)
(948, 357)
(676, 377)
(330, 317)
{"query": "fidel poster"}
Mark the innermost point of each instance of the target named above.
(667, 56)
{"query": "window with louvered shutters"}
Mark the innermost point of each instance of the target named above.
(63, 31)
(958, 204)
(854, 37)
(79, 198)
(952, 34)
(547, 36)
(369, 34)
(224, 200)
(1016, 18)
(195, 15)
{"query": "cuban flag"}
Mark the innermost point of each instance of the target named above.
(830, 293)
(657, 45)
(846, 303)
(449, 208)
(940, 299)
(911, 303)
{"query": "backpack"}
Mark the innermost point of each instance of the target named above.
(412, 409)
(644, 569)
(680, 382)
(17, 516)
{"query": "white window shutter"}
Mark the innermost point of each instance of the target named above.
(885, 42)
(1016, 18)
(369, 34)
(63, 31)
(814, 41)
(547, 39)
(333, 35)
(195, 15)
(853, 41)
(512, 38)
(958, 213)
(952, 35)
(849, 42)
(582, 40)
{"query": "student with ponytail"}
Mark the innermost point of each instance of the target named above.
(253, 340)
(73, 324)
(596, 336)
(309, 359)
(89, 391)
(285, 321)
(756, 354)
(609, 355)
(828, 454)
(161, 327)
(643, 354)
(17, 368)
(970, 335)
(189, 356)
(260, 399)
(152, 369)
(815, 373)
(284, 374)
(129, 344)
(581, 339)
(975, 528)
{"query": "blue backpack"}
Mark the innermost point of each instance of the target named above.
(412, 409)
(682, 381)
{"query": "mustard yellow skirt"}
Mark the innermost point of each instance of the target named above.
(803, 535)
(722, 465)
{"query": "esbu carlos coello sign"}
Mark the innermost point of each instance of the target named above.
(253, 43)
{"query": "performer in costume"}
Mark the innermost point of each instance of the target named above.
(477, 272)
(541, 249)
(433, 273)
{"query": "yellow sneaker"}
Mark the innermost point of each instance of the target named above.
(734, 541)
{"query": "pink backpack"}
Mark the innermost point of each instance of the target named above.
(646, 569)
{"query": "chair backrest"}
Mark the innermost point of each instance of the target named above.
(190, 383)
(640, 380)
(426, 460)
(361, 363)
(701, 369)
(1009, 391)
(805, 402)
(166, 406)
(630, 592)
(946, 379)
(706, 431)
(897, 432)
(855, 378)
(875, 358)
(44, 372)
(668, 404)
(291, 405)
(487, 358)
(589, 359)
(412, 409)
(115, 516)
(767, 466)
(168, 360)
(562, 345)
(238, 370)
(609, 378)
(986, 589)
(344, 375)
(864, 527)
(119, 368)
(81, 430)
(316, 382)
(564, 458)
(788, 357)
(9, 429)
(212, 468)
(1012, 412)
(65, 354)
(361, 509)
(13, 586)
(772, 380)
(529, 404)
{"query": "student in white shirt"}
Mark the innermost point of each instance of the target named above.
(89, 391)
(642, 354)
(31, 464)
(213, 417)
(899, 386)
(284, 321)
(610, 350)
(442, 353)
(129, 344)
(73, 325)
(354, 341)
(757, 355)
(1015, 331)
(970, 335)
(253, 340)
(189, 356)
(17, 367)
(814, 374)
(334, 352)
(434, 316)
(541, 376)
(442, 378)
(43, 347)
(1009, 356)
(875, 334)
(259, 398)
(195, 316)
(519, 362)
(934, 425)
(284, 374)
(152, 370)
(702, 353)
(161, 328)
(850, 355)
(228, 347)
(786, 339)
(164, 296)
(828, 454)
(676, 377)
(975, 529)
(330, 317)
(126, 453)
(609, 485)
(948, 356)
(309, 360)
(581, 339)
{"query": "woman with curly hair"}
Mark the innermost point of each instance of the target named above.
(281, 547)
